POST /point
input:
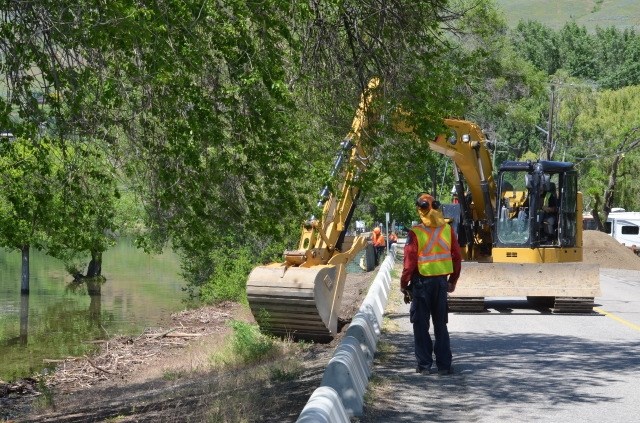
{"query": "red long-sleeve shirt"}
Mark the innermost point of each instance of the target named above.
(411, 260)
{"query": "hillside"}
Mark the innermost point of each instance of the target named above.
(590, 13)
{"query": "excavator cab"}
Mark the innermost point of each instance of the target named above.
(532, 213)
(537, 243)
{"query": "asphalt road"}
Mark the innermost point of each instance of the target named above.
(518, 364)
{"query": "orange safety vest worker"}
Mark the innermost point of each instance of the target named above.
(434, 250)
(377, 238)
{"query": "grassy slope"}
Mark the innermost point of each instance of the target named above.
(554, 13)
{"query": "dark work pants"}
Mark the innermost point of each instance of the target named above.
(430, 300)
(379, 253)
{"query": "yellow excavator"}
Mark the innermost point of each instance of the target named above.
(511, 246)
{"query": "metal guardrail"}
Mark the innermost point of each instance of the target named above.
(341, 393)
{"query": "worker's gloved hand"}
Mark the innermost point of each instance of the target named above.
(451, 286)
(407, 295)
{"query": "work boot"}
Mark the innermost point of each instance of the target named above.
(442, 372)
(423, 371)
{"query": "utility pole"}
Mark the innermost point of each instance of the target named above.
(549, 148)
(387, 232)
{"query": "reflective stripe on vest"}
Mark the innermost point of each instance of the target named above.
(434, 250)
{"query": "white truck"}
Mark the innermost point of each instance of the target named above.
(622, 225)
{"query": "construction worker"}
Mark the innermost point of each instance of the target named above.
(549, 201)
(548, 206)
(432, 263)
(377, 239)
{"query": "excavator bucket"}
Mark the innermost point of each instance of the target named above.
(297, 302)
(564, 287)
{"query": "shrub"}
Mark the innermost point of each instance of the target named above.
(229, 277)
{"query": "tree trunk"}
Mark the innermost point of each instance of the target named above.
(94, 286)
(595, 214)
(609, 192)
(95, 265)
(24, 283)
(94, 274)
(626, 145)
(24, 319)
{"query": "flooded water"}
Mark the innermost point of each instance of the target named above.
(53, 322)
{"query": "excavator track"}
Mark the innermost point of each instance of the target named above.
(466, 304)
(578, 305)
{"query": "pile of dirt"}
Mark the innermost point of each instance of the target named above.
(600, 248)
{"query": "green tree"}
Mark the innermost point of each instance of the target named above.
(619, 58)
(223, 117)
(538, 44)
(576, 52)
(608, 57)
(48, 98)
(26, 198)
(84, 208)
(508, 97)
(606, 143)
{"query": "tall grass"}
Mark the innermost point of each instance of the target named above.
(247, 345)
(229, 278)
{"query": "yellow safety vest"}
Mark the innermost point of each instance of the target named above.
(434, 250)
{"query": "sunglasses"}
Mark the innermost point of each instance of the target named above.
(424, 204)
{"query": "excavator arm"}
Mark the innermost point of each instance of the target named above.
(301, 296)
(467, 147)
(322, 238)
